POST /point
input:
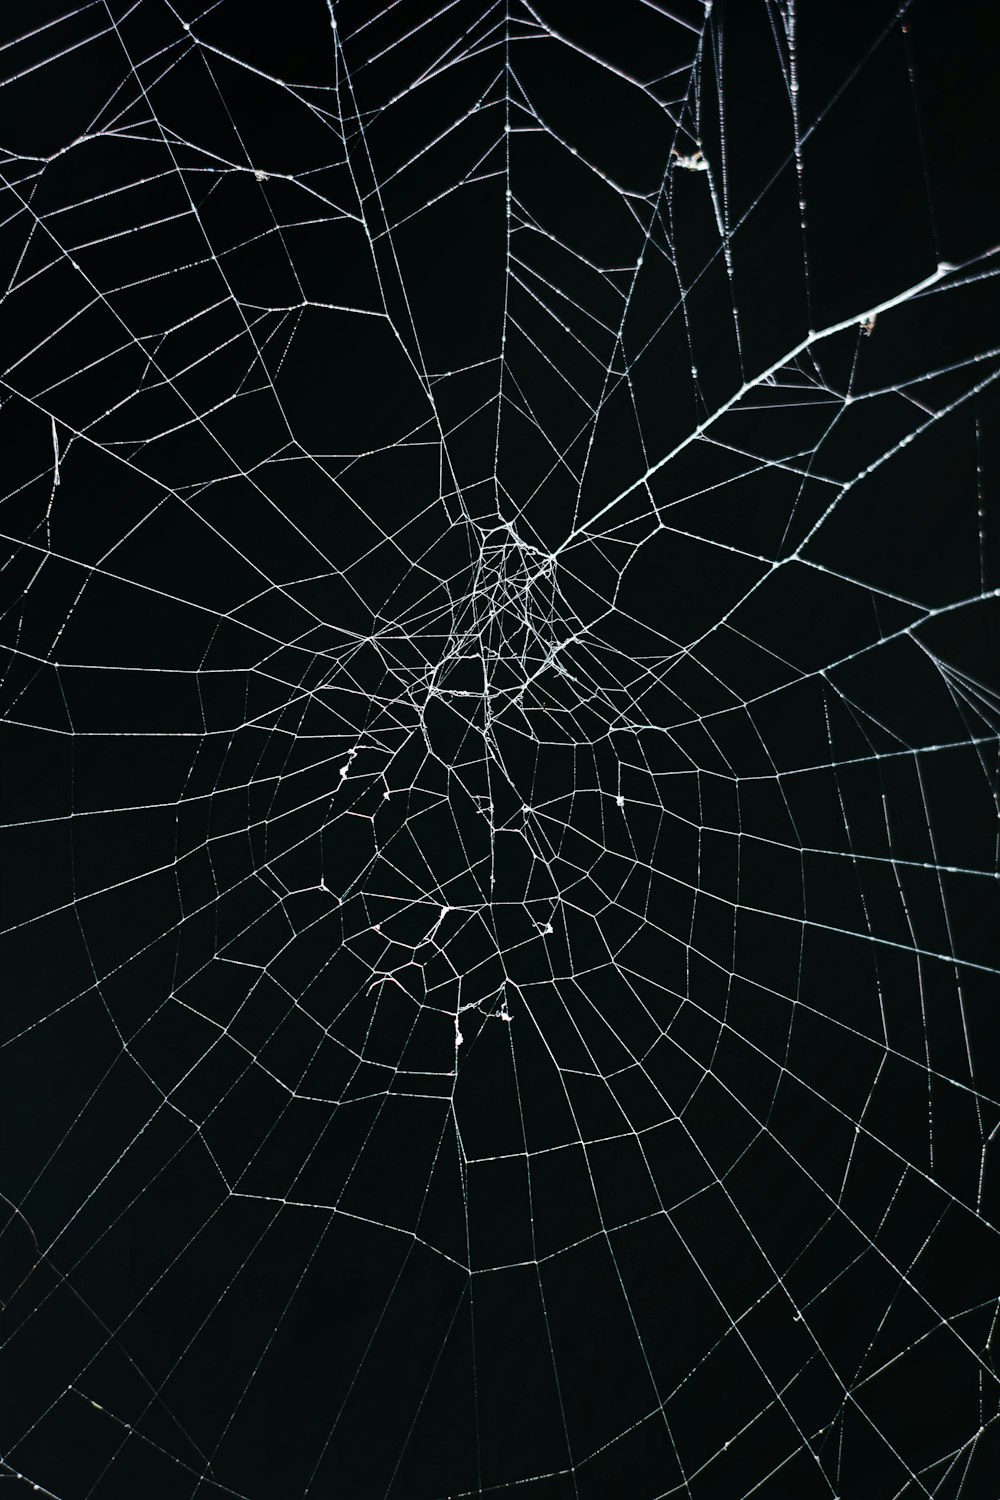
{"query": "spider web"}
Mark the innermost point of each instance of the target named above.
(499, 624)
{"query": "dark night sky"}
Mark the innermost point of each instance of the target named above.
(500, 724)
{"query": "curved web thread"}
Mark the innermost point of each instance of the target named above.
(504, 739)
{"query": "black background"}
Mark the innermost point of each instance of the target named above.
(704, 1202)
